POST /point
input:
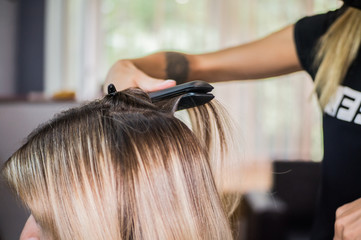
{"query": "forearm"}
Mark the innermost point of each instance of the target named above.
(271, 56)
(168, 65)
(153, 65)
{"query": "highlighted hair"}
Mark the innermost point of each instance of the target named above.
(124, 168)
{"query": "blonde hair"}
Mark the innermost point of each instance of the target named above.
(336, 51)
(123, 168)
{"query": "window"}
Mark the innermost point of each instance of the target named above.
(276, 117)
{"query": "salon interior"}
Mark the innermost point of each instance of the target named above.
(55, 55)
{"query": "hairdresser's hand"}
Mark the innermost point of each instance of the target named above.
(348, 221)
(124, 74)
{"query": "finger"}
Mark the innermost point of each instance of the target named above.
(153, 84)
(339, 226)
(338, 232)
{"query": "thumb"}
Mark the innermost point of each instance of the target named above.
(153, 84)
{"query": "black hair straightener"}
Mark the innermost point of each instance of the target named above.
(192, 94)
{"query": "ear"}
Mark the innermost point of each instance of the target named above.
(31, 230)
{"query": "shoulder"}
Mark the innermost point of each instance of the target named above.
(318, 24)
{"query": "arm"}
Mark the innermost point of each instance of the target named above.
(271, 56)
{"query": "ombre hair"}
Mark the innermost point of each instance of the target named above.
(124, 168)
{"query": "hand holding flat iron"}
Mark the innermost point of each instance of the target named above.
(124, 74)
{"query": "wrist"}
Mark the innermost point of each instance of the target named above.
(177, 67)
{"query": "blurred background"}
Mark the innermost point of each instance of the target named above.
(63, 49)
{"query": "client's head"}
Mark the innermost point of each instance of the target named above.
(118, 168)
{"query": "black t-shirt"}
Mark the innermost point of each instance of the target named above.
(341, 178)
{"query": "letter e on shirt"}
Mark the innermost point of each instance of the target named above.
(345, 105)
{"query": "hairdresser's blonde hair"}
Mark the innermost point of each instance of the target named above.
(336, 51)
(123, 168)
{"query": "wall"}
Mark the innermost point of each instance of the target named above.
(8, 29)
(30, 47)
(17, 120)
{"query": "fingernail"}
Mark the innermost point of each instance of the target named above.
(168, 81)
